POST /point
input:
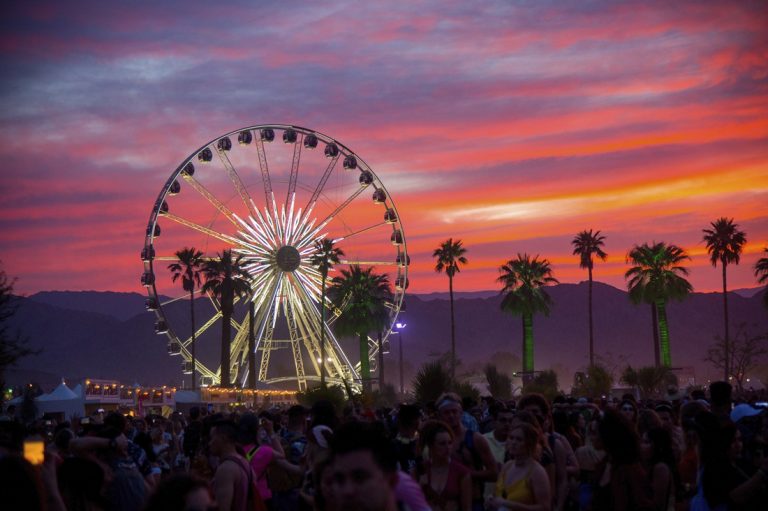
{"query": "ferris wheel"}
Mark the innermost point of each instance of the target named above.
(268, 193)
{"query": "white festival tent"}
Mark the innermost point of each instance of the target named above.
(62, 399)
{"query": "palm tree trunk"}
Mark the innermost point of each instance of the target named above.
(322, 331)
(655, 325)
(727, 368)
(381, 362)
(528, 345)
(666, 357)
(453, 331)
(192, 345)
(591, 333)
(252, 346)
(365, 367)
(226, 332)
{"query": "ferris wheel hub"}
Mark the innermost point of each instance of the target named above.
(288, 258)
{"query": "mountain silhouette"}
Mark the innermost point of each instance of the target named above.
(110, 335)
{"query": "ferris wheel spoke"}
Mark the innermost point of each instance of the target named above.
(336, 347)
(264, 167)
(292, 316)
(202, 190)
(309, 237)
(294, 168)
(242, 191)
(368, 263)
(265, 334)
(360, 231)
(321, 185)
(203, 328)
(205, 230)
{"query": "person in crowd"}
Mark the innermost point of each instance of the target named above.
(181, 492)
(657, 454)
(497, 437)
(561, 424)
(261, 446)
(469, 448)
(721, 400)
(724, 483)
(562, 455)
(406, 441)
(127, 488)
(446, 483)
(589, 456)
(623, 484)
(523, 484)
(233, 480)
(286, 483)
(647, 419)
(688, 465)
(81, 483)
(363, 470)
(629, 408)
(669, 419)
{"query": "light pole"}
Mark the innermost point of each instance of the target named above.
(400, 327)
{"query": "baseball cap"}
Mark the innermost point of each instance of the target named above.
(743, 410)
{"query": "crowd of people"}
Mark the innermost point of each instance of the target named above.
(703, 452)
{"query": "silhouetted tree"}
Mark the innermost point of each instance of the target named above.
(523, 280)
(450, 255)
(226, 278)
(744, 351)
(656, 278)
(724, 243)
(588, 246)
(361, 295)
(12, 345)
(188, 268)
(324, 258)
(761, 272)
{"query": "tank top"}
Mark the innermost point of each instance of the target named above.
(520, 491)
(451, 491)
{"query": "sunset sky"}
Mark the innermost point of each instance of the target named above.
(508, 125)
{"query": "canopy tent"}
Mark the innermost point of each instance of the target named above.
(61, 400)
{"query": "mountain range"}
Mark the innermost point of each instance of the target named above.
(110, 335)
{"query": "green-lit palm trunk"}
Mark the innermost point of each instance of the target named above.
(591, 333)
(227, 300)
(727, 368)
(252, 346)
(666, 357)
(527, 347)
(192, 345)
(322, 330)
(365, 366)
(453, 331)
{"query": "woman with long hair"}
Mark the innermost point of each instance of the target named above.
(523, 483)
(446, 483)
(622, 484)
(658, 458)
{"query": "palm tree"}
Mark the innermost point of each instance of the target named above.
(324, 257)
(449, 255)
(656, 278)
(523, 281)
(587, 245)
(226, 278)
(761, 272)
(188, 267)
(724, 243)
(361, 295)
